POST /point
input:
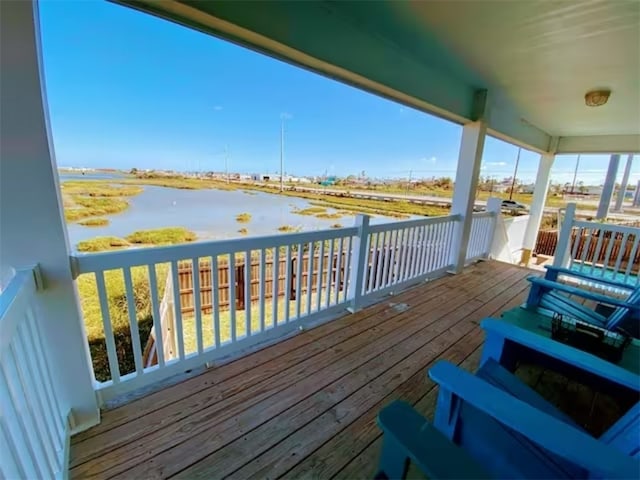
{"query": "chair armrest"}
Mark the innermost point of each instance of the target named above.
(433, 453)
(587, 276)
(563, 353)
(596, 297)
(548, 432)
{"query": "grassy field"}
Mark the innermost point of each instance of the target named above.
(94, 222)
(156, 237)
(83, 199)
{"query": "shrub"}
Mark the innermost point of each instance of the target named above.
(100, 244)
(162, 236)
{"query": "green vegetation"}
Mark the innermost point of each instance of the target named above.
(84, 199)
(243, 217)
(184, 183)
(101, 244)
(288, 229)
(162, 236)
(119, 315)
(309, 211)
(330, 215)
(243, 231)
(95, 222)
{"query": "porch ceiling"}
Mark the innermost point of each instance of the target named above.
(537, 59)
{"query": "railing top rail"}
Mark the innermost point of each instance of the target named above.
(483, 214)
(14, 299)
(92, 262)
(383, 227)
(610, 227)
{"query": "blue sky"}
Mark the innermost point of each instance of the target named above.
(127, 89)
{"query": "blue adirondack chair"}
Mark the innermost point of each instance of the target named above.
(490, 425)
(547, 296)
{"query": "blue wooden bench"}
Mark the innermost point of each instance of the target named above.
(547, 295)
(490, 425)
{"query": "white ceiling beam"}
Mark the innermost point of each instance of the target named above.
(605, 144)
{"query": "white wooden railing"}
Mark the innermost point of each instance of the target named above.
(481, 237)
(600, 249)
(34, 431)
(348, 268)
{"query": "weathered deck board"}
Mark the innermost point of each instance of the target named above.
(304, 407)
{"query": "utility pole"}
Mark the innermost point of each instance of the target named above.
(409, 182)
(282, 153)
(575, 174)
(515, 173)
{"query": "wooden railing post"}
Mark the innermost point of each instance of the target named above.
(359, 257)
(561, 258)
(494, 205)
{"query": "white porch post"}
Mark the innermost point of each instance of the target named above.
(32, 228)
(537, 206)
(623, 185)
(609, 185)
(466, 181)
(636, 197)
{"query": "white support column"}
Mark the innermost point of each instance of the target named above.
(636, 197)
(537, 206)
(466, 183)
(623, 185)
(609, 185)
(32, 229)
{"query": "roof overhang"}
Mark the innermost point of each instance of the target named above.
(392, 51)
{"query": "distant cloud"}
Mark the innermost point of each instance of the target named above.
(496, 164)
(218, 108)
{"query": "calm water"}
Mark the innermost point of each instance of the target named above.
(209, 213)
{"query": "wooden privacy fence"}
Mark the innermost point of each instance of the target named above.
(589, 249)
(286, 283)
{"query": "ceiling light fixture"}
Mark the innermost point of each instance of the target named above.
(597, 98)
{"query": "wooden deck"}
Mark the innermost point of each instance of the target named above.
(304, 407)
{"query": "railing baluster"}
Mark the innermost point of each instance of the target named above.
(24, 409)
(379, 253)
(215, 299)
(423, 250)
(12, 467)
(197, 303)
(177, 302)
(607, 257)
(157, 320)
(16, 429)
(275, 289)
(403, 254)
(287, 284)
(596, 254)
(338, 275)
(386, 239)
(621, 251)
(299, 281)
(370, 263)
(112, 354)
(33, 395)
(311, 254)
(262, 288)
(133, 321)
(37, 347)
(632, 256)
(327, 300)
(232, 295)
(393, 266)
(413, 252)
(320, 275)
(349, 273)
(247, 293)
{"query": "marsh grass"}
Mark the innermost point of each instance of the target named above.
(243, 217)
(162, 236)
(94, 222)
